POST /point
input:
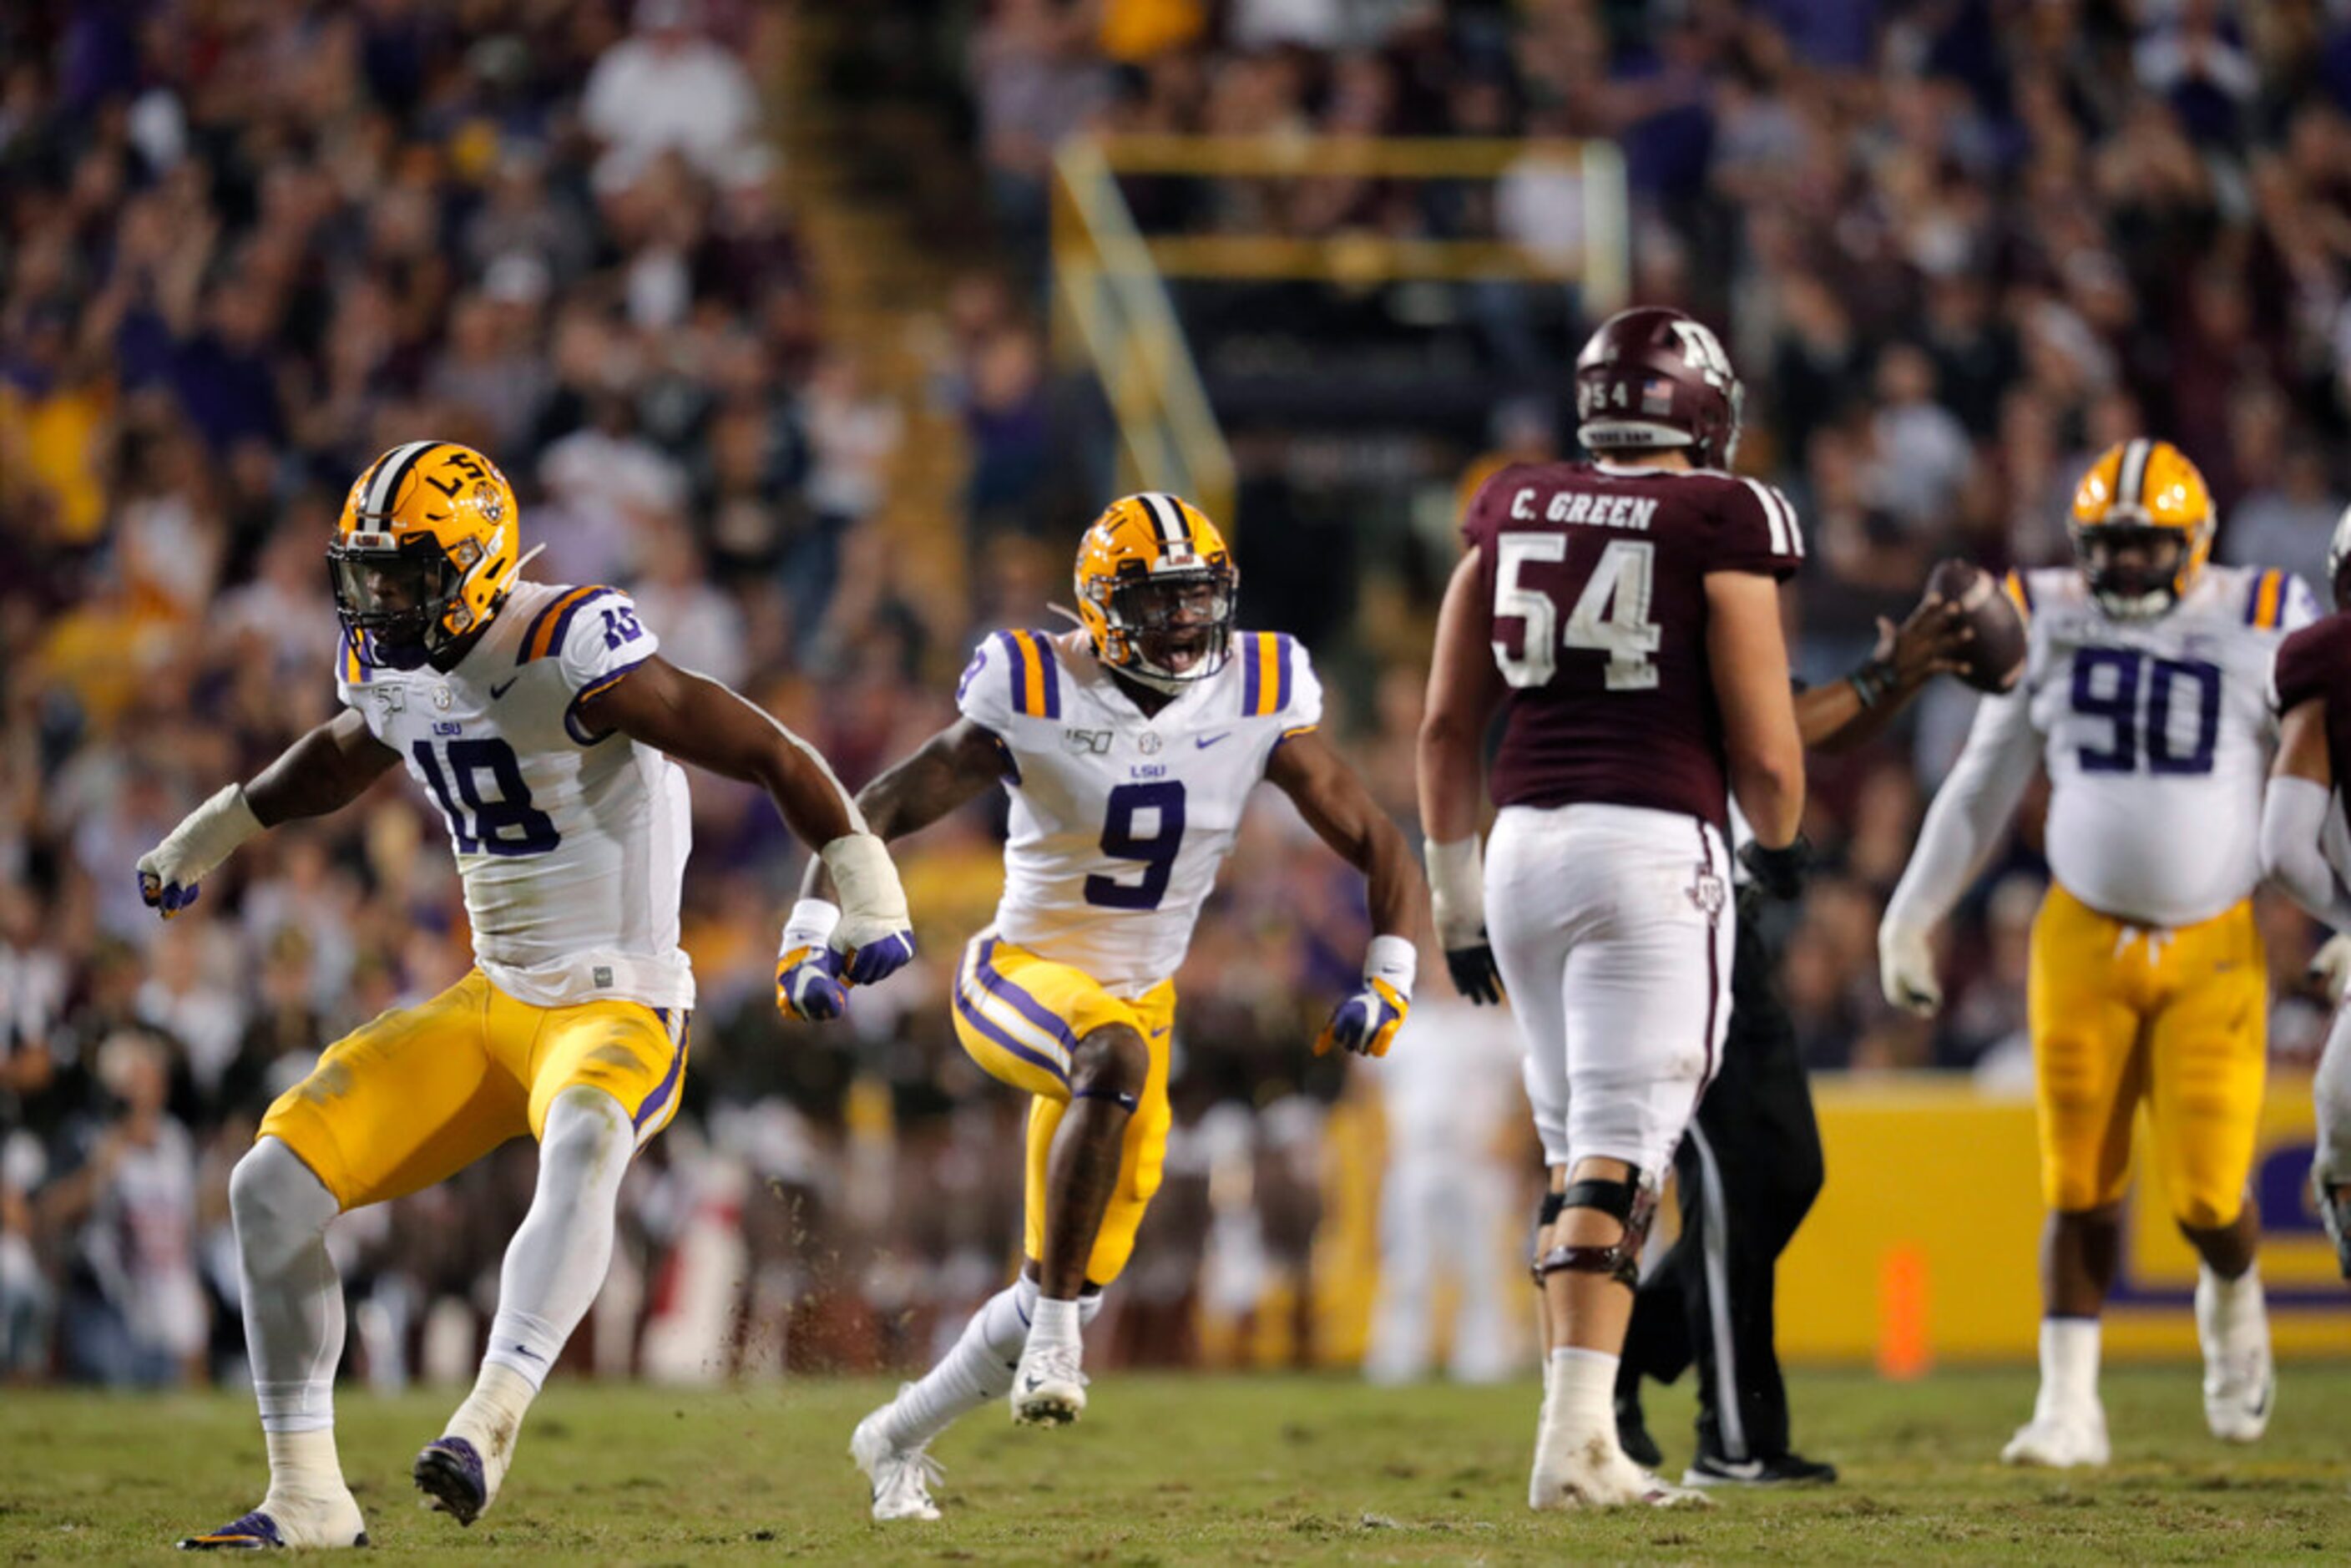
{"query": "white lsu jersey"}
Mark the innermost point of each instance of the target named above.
(572, 845)
(1120, 821)
(2156, 736)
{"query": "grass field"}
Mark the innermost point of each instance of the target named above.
(1165, 1469)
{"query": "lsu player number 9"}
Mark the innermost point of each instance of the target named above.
(2145, 696)
(1129, 747)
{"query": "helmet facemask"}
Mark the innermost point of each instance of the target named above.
(402, 601)
(2135, 570)
(1170, 629)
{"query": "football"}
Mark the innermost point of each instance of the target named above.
(1996, 657)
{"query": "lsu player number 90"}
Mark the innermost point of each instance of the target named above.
(541, 721)
(1129, 748)
(2145, 696)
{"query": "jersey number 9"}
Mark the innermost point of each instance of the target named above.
(1165, 799)
(504, 824)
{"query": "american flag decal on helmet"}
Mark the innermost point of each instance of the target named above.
(1656, 396)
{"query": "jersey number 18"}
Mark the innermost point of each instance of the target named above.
(505, 823)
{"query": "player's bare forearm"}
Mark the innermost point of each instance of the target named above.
(1748, 657)
(1463, 688)
(2302, 744)
(1830, 718)
(695, 719)
(1343, 815)
(945, 772)
(324, 771)
(1855, 711)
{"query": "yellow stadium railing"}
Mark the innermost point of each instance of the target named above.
(1110, 308)
(1110, 305)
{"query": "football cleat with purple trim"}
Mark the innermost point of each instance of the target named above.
(260, 1531)
(450, 1474)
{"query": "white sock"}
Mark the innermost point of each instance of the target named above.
(293, 1306)
(553, 1267)
(1054, 1322)
(978, 1370)
(2230, 1312)
(2069, 1368)
(1582, 1393)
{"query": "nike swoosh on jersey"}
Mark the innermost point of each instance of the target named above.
(499, 690)
(1202, 742)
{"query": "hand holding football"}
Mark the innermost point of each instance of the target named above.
(1994, 657)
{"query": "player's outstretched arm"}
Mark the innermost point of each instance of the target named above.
(1963, 826)
(946, 770)
(1853, 712)
(697, 720)
(1463, 688)
(324, 771)
(1342, 813)
(2294, 817)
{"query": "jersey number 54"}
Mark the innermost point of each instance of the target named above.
(1611, 614)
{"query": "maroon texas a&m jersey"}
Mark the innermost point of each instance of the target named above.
(1595, 578)
(2315, 662)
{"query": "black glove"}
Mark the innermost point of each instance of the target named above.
(1474, 975)
(1779, 874)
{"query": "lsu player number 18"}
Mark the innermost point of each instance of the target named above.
(541, 722)
(2145, 693)
(1129, 748)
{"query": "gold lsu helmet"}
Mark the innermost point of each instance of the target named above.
(2144, 493)
(1155, 588)
(429, 542)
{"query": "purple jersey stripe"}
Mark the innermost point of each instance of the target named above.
(1250, 663)
(995, 982)
(1016, 668)
(1282, 671)
(978, 1020)
(1052, 674)
(667, 1087)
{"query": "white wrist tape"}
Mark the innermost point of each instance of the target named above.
(867, 882)
(1393, 959)
(811, 925)
(1457, 890)
(207, 836)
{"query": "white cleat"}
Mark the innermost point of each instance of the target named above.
(1049, 1388)
(2061, 1443)
(901, 1478)
(1596, 1474)
(2240, 1380)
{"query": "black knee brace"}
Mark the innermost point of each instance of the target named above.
(1632, 1204)
(1553, 1204)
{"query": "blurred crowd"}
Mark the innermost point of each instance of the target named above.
(246, 245)
(1957, 247)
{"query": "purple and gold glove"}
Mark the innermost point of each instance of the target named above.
(1367, 1021)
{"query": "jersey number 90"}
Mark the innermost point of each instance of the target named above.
(2108, 684)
